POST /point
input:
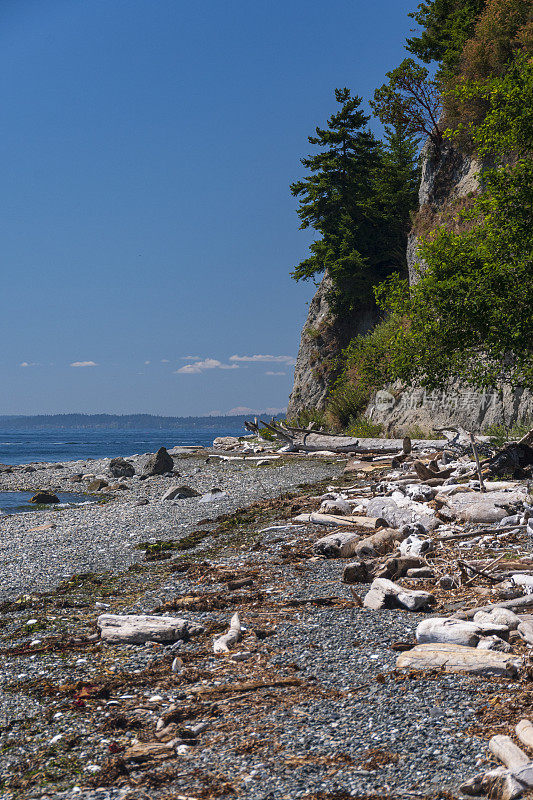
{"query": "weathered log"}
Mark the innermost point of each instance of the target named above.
(331, 520)
(525, 629)
(524, 731)
(378, 543)
(513, 757)
(312, 441)
(448, 630)
(141, 628)
(498, 783)
(337, 545)
(518, 602)
(386, 594)
(500, 616)
(222, 644)
(455, 658)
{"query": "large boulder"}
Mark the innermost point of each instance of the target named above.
(44, 497)
(120, 468)
(159, 463)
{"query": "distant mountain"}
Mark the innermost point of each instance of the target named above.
(138, 421)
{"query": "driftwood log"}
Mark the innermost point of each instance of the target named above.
(141, 628)
(455, 658)
(309, 441)
(337, 545)
(455, 631)
(519, 764)
(519, 602)
(386, 594)
(378, 543)
(222, 644)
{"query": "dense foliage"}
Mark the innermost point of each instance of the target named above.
(412, 100)
(357, 196)
(471, 314)
(446, 26)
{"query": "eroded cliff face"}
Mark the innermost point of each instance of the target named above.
(450, 181)
(324, 336)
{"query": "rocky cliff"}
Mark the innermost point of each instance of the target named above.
(449, 182)
(323, 337)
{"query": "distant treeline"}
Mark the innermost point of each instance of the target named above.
(134, 421)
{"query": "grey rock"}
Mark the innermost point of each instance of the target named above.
(158, 463)
(44, 497)
(120, 468)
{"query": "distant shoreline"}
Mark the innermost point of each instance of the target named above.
(123, 421)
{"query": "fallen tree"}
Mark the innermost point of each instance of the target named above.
(310, 441)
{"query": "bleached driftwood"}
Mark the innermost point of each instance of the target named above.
(519, 602)
(337, 545)
(496, 783)
(222, 644)
(141, 628)
(311, 441)
(331, 520)
(454, 631)
(500, 616)
(455, 658)
(337, 507)
(525, 629)
(513, 757)
(386, 594)
(378, 543)
(524, 731)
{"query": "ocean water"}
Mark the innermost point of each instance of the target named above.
(26, 445)
(17, 502)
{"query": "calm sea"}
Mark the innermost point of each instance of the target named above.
(24, 445)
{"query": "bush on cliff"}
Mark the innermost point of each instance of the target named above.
(471, 314)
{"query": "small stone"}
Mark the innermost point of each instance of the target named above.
(97, 485)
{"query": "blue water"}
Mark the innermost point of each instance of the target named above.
(26, 445)
(15, 502)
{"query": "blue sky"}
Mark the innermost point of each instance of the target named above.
(147, 228)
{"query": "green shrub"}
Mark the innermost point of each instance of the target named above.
(361, 426)
(501, 434)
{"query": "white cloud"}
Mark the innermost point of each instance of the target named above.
(269, 359)
(165, 361)
(275, 373)
(200, 366)
(147, 362)
(84, 364)
(28, 364)
(191, 358)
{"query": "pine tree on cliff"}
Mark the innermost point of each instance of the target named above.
(355, 198)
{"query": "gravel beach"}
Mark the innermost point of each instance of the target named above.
(331, 717)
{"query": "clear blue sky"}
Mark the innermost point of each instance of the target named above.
(146, 151)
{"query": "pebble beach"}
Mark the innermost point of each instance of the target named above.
(330, 717)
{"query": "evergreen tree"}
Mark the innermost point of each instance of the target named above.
(447, 24)
(355, 198)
